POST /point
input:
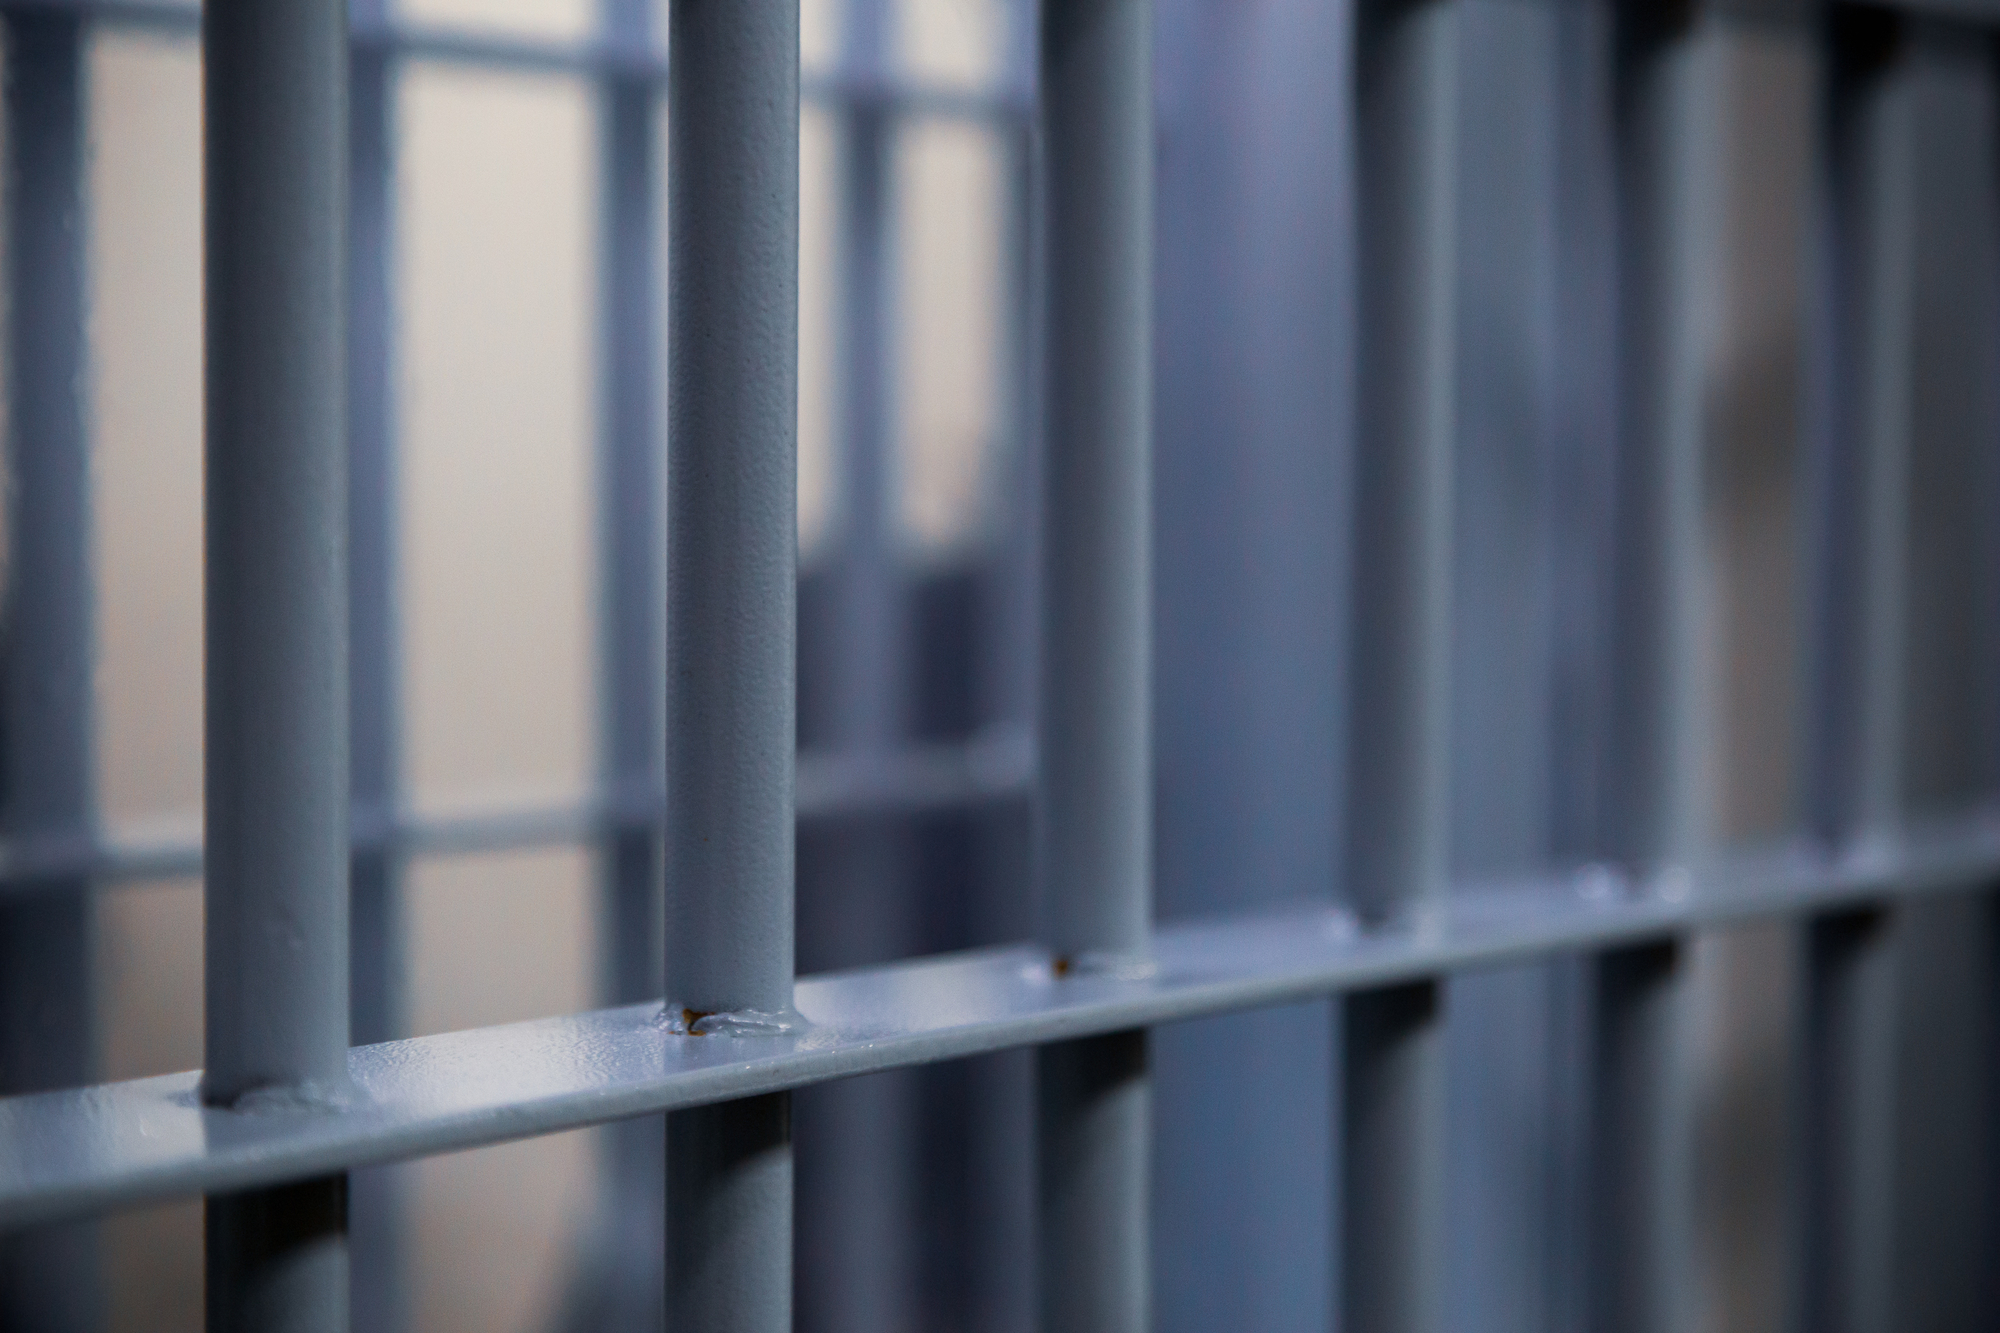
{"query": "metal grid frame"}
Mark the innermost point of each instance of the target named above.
(1102, 976)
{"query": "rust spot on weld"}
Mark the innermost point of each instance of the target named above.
(689, 1017)
(1060, 967)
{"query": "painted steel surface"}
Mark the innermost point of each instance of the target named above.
(1094, 803)
(69, 1153)
(276, 772)
(48, 724)
(1397, 849)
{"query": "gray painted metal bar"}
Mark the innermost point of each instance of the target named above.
(1096, 109)
(1393, 1144)
(1532, 319)
(993, 1281)
(1639, 1207)
(733, 218)
(619, 1280)
(374, 636)
(1254, 370)
(631, 456)
(1845, 1204)
(276, 902)
(866, 712)
(1869, 240)
(1581, 503)
(47, 1037)
(1654, 815)
(68, 1154)
(377, 957)
(1945, 1180)
(1095, 800)
(859, 1241)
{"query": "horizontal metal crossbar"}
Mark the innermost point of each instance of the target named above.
(65, 1154)
(919, 779)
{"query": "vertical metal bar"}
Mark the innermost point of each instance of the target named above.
(1508, 1134)
(1867, 237)
(1392, 1159)
(1952, 744)
(1846, 1202)
(1586, 430)
(867, 712)
(629, 480)
(1393, 1133)
(1944, 1148)
(858, 1241)
(1250, 458)
(622, 1281)
(371, 554)
(1407, 90)
(1586, 421)
(999, 1290)
(1653, 815)
(1094, 1113)
(47, 1035)
(276, 502)
(376, 963)
(1639, 1156)
(276, 126)
(1009, 673)
(733, 209)
(1097, 143)
(1095, 827)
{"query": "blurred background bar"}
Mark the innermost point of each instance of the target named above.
(1660, 696)
(378, 953)
(48, 1030)
(860, 1235)
(1393, 1122)
(1094, 797)
(619, 1276)
(1944, 1164)
(1862, 392)
(1251, 357)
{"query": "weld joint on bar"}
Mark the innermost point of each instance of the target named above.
(682, 1020)
(1103, 963)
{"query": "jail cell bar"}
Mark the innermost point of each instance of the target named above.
(857, 1266)
(46, 947)
(1638, 1200)
(1392, 1121)
(621, 1283)
(1905, 137)
(732, 571)
(1094, 809)
(1844, 1210)
(377, 960)
(276, 902)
